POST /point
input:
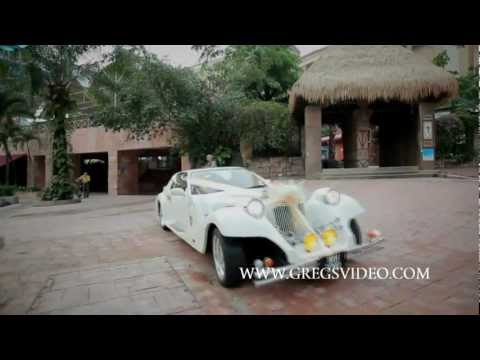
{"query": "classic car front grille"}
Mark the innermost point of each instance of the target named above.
(283, 219)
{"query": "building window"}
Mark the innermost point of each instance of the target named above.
(161, 162)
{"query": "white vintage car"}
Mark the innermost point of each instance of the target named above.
(246, 221)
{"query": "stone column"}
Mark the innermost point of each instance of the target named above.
(113, 172)
(127, 173)
(185, 162)
(48, 168)
(302, 141)
(426, 136)
(361, 135)
(48, 158)
(30, 171)
(40, 171)
(476, 143)
(472, 59)
(313, 141)
(76, 165)
(348, 144)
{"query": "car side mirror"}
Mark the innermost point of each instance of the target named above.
(177, 192)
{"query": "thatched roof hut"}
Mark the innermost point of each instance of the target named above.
(371, 73)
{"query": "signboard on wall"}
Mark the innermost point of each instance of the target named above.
(428, 154)
(428, 130)
(363, 139)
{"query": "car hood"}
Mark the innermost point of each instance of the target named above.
(230, 196)
(240, 197)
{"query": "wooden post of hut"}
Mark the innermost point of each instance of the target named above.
(313, 141)
(426, 134)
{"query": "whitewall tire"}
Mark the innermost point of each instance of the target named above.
(228, 257)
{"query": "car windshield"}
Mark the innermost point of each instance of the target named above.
(234, 177)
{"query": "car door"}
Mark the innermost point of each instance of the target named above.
(196, 220)
(178, 198)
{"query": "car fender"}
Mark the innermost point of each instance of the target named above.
(160, 198)
(320, 213)
(236, 223)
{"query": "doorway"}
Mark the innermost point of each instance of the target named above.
(96, 165)
(395, 136)
(155, 168)
(18, 170)
(39, 164)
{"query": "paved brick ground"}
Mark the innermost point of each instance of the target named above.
(461, 171)
(109, 256)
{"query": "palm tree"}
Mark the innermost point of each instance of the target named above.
(60, 67)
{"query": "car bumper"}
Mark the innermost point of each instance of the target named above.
(312, 263)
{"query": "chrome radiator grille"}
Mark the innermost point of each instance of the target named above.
(283, 219)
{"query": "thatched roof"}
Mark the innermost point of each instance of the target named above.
(370, 73)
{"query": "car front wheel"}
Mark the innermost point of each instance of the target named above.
(228, 257)
(356, 231)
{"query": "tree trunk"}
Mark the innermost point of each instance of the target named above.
(61, 186)
(246, 150)
(60, 148)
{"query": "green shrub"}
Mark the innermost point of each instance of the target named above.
(60, 189)
(269, 128)
(6, 190)
(223, 155)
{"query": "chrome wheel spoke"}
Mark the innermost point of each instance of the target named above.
(334, 262)
(218, 257)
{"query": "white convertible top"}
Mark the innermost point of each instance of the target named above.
(213, 169)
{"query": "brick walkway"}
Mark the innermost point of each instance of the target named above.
(109, 256)
(461, 171)
(136, 287)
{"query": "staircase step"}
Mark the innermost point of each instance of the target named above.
(378, 175)
(356, 171)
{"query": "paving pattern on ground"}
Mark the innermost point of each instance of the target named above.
(109, 256)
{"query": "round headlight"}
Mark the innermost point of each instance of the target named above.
(255, 208)
(332, 197)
